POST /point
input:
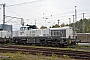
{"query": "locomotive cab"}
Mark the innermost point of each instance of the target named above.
(23, 28)
(28, 27)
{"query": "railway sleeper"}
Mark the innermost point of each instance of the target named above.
(78, 57)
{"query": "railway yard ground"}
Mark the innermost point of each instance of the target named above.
(18, 52)
(19, 56)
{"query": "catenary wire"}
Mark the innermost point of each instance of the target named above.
(24, 3)
(13, 11)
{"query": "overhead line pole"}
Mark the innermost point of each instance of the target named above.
(73, 24)
(83, 24)
(58, 21)
(35, 22)
(69, 22)
(4, 16)
(3, 26)
(83, 15)
(75, 17)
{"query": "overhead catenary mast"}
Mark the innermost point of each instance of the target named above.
(3, 16)
(58, 21)
(69, 22)
(73, 24)
(75, 18)
(83, 27)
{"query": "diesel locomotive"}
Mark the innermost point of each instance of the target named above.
(30, 34)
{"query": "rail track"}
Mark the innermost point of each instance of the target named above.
(46, 51)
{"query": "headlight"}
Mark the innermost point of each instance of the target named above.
(4, 40)
(70, 41)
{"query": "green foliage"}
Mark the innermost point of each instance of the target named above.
(82, 26)
(33, 45)
(68, 48)
(65, 56)
(6, 59)
(42, 27)
(62, 25)
(27, 53)
(14, 56)
(54, 56)
(39, 54)
(66, 25)
(55, 26)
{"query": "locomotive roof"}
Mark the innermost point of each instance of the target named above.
(61, 28)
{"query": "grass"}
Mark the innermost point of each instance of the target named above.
(20, 56)
(65, 56)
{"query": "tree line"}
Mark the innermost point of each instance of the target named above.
(82, 26)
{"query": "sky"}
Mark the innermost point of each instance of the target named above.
(34, 10)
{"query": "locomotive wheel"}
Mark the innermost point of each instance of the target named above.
(61, 45)
(24, 42)
(41, 43)
(44, 43)
(16, 42)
